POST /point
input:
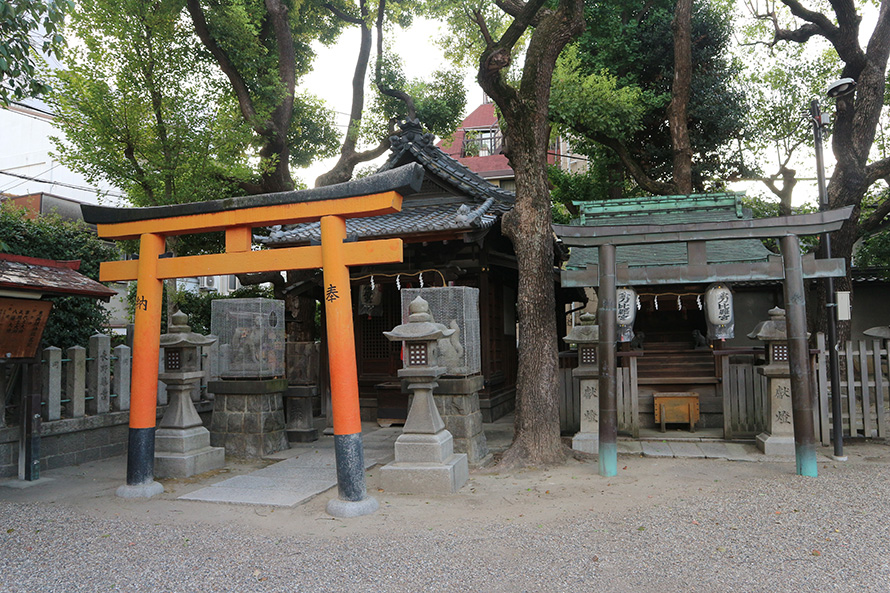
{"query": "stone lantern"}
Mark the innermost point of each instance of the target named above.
(182, 444)
(587, 336)
(425, 462)
(778, 438)
(457, 393)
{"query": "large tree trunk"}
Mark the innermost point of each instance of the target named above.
(527, 133)
(537, 436)
(677, 109)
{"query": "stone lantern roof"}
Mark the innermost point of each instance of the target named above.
(420, 326)
(181, 334)
(585, 333)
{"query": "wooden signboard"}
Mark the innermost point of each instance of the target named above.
(21, 326)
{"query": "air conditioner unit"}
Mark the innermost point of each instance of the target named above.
(207, 283)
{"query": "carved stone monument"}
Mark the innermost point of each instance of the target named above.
(248, 407)
(457, 393)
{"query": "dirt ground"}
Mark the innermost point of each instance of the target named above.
(572, 492)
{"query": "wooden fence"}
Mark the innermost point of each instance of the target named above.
(745, 399)
(864, 392)
(79, 382)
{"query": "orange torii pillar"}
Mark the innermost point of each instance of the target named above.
(237, 217)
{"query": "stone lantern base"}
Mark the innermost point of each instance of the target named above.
(425, 464)
(184, 452)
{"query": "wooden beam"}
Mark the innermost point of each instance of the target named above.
(733, 272)
(292, 213)
(362, 253)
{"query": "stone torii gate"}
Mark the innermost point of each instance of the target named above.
(370, 196)
(793, 269)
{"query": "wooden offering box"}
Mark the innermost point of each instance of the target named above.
(676, 407)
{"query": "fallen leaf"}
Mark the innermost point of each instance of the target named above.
(817, 553)
(721, 549)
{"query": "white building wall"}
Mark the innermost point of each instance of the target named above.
(27, 164)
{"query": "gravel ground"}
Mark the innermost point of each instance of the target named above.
(753, 529)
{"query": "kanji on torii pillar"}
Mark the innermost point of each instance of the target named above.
(370, 196)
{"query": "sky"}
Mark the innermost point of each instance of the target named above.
(331, 79)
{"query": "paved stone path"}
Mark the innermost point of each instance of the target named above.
(692, 449)
(305, 470)
(308, 469)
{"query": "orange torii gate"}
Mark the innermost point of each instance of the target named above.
(370, 196)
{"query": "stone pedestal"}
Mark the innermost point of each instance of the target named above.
(457, 399)
(248, 417)
(298, 403)
(425, 462)
(778, 438)
(587, 439)
(182, 444)
(586, 337)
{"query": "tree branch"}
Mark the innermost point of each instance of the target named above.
(877, 218)
(515, 7)
(245, 103)
(877, 170)
(634, 168)
(394, 93)
(355, 20)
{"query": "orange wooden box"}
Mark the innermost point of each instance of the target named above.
(676, 407)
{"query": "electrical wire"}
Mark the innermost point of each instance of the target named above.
(59, 183)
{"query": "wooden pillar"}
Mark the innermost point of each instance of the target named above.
(143, 393)
(608, 379)
(353, 499)
(798, 357)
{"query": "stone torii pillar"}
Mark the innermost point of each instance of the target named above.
(370, 196)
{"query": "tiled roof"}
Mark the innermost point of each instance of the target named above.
(663, 210)
(31, 274)
(452, 199)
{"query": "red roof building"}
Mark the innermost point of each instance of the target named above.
(478, 144)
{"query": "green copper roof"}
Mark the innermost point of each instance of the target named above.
(662, 210)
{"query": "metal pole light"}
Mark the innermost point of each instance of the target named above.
(836, 89)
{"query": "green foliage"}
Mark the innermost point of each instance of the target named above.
(312, 134)
(140, 111)
(616, 85)
(26, 28)
(244, 30)
(874, 251)
(197, 305)
(780, 85)
(439, 101)
(569, 187)
(596, 102)
(769, 208)
(73, 319)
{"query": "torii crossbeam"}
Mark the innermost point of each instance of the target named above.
(370, 196)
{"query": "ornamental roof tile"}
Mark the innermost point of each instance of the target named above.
(452, 199)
